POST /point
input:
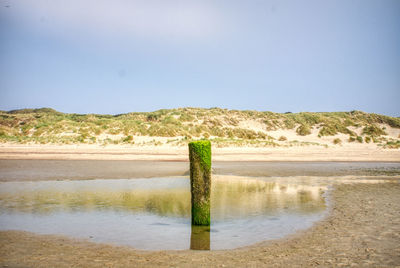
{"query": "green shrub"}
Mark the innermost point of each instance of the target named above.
(261, 135)
(158, 130)
(271, 125)
(331, 129)
(303, 130)
(231, 121)
(128, 139)
(373, 131)
(392, 121)
(81, 138)
(216, 131)
(212, 123)
(41, 125)
(337, 141)
(97, 131)
(392, 145)
(243, 133)
(171, 120)
(351, 139)
(153, 117)
(327, 131)
(359, 139)
(367, 139)
(185, 117)
(289, 123)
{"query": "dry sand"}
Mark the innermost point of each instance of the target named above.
(347, 152)
(362, 230)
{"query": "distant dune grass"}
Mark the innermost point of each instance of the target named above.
(47, 125)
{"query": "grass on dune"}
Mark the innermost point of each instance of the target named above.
(47, 125)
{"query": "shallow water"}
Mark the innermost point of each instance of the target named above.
(154, 214)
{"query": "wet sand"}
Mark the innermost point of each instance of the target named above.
(33, 170)
(362, 230)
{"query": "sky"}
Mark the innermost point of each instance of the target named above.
(120, 56)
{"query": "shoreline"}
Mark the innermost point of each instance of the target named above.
(361, 229)
(164, 153)
(41, 169)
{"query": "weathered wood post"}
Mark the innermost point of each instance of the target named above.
(200, 181)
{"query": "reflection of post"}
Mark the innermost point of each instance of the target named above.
(200, 181)
(200, 238)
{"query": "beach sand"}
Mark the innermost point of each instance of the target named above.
(347, 152)
(362, 230)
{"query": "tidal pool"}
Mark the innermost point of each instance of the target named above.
(154, 214)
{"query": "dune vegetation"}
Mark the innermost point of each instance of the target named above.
(178, 126)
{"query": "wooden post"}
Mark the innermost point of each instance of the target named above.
(200, 181)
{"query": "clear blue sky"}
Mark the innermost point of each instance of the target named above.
(104, 56)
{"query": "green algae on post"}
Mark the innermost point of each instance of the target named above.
(200, 181)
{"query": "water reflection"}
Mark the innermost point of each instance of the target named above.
(155, 213)
(200, 238)
(231, 197)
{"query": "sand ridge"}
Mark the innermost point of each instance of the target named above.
(349, 152)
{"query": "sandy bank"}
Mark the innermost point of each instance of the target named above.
(96, 152)
(362, 230)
